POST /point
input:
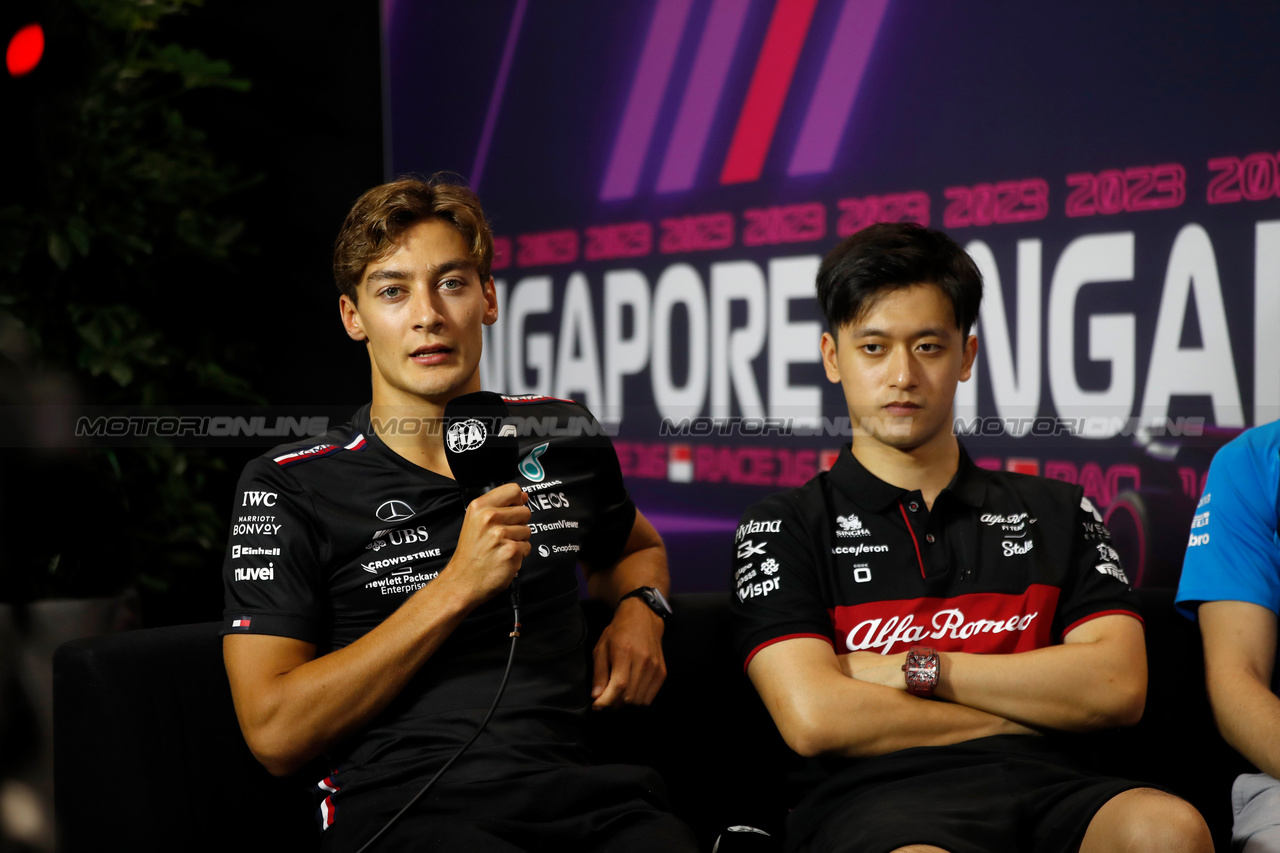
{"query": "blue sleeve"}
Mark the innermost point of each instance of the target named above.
(1233, 553)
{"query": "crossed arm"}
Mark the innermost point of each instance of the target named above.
(293, 705)
(1239, 656)
(856, 705)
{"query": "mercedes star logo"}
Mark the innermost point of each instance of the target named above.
(395, 511)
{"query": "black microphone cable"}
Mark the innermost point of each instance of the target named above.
(515, 635)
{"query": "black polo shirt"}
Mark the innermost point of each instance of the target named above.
(331, 535)
(1002, 563)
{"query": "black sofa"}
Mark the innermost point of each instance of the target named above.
(148, 755)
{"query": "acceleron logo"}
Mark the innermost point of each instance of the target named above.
(830, 101)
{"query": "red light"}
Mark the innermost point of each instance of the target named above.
(25, 50)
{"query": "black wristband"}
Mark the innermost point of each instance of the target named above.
(651, 596)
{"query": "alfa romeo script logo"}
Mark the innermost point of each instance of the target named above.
(465, 435)
(395, 511)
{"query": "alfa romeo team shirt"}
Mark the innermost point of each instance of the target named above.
(330, 536)
(1003, 563)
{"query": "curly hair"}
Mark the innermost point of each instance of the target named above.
(380, 216)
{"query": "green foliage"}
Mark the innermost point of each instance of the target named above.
(104, 258)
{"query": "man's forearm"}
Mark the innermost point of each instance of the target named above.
(1095, 681)
(643, 563)
(819, 710)
(1248, 715)
(1078, 687)
(292, 715)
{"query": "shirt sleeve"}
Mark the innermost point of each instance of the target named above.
(272, 575)
(776, 594)
(1097, 585)
(614, 513)
(1233, 552)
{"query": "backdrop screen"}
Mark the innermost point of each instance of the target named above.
(664, 178)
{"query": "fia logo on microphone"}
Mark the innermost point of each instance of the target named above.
(466, 435)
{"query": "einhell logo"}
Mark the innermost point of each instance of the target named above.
(702, 93)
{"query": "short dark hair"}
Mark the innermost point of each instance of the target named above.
(887, 256)
(378, 218)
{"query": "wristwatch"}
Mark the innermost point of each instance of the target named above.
(656, 600)
(922, 671)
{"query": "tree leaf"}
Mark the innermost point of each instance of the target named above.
(59, 250)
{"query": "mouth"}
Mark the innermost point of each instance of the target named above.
(433, 354)
(901, 408)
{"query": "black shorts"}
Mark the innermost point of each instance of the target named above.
(605, 809)
(1008, 793)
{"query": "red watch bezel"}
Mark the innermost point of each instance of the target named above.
(921, 668)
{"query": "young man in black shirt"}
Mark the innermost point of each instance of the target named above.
(365, 622)
(928, 625)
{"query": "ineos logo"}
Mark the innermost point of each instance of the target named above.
(395, 511)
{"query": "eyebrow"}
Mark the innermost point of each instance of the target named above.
(445, 268)
(873, 332)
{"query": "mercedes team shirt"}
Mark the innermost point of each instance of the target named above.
(330, 536)
(1002, 563)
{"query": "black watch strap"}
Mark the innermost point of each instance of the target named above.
(654, 598)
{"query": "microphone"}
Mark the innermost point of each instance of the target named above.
(482, 449)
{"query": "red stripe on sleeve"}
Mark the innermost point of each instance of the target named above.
(1091, 616)
(768, 643)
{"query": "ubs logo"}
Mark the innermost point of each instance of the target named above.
(395, 511)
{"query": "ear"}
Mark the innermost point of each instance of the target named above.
(351, 318)
(970, 354)
(490, 302)
(829, 360)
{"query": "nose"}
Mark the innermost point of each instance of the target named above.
(427, 315)
(902, 368)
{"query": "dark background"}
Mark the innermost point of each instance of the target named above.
(307, 138)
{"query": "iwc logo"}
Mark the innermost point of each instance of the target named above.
(531, 468)
(465, 435)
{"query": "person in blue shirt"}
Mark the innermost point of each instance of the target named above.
(1231, 584)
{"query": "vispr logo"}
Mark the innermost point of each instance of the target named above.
(845, 50)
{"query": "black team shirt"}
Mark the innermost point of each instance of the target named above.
(1003, 563)
(331, 535)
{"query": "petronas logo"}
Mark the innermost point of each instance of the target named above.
(531, 468)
